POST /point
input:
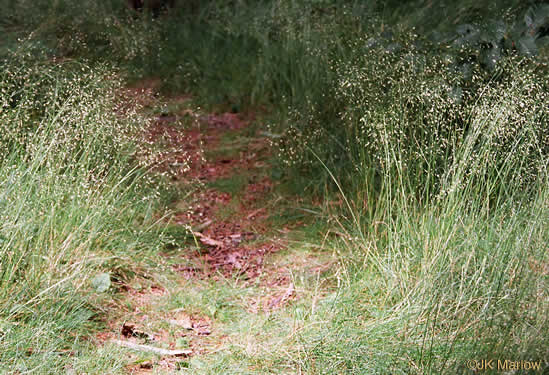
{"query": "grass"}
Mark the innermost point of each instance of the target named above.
(421, 165)
(241, 341)
(72, 206)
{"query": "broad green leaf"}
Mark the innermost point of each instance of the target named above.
(102, 282)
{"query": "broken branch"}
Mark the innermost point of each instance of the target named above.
(152, 349)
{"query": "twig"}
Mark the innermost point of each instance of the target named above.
(255, 213)
(152, 349)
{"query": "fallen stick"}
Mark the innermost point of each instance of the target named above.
(255, 213)
(152, 349)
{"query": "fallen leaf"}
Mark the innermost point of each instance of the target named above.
(129, 330)
(280, 300)
(202, 328)
(146, 365)
(101, 282)
(232, 258)
(208, 240)
(185, 323)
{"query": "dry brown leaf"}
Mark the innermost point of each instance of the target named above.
(129, 330)
(208, 240)
(185, 323)
(280, 300)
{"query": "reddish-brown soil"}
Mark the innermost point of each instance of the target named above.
(232, 245)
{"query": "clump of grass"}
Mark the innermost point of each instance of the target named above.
(444, 264)
(72, 204)
(421, 109)
(443, 164)
(432, 288)
(446, 178)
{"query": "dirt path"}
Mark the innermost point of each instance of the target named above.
(236, 265)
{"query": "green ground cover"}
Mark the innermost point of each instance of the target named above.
(422, 130)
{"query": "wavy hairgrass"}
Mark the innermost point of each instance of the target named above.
(71, 205)
(452, 212)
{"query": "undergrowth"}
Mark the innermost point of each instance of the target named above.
(73, 204)
(432, 130)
